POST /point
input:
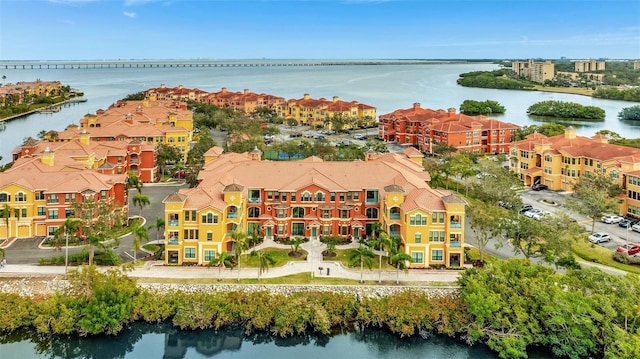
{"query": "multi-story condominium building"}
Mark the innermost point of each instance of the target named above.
(16, 93)
(319, 112)
(40, 188)
(113, 157)
(178, 93)
(589, 66)
(167, 122)
(424, 128)
(245, 102)
(313, 198)
(534, 71)
(559, 161)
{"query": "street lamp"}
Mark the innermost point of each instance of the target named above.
(66, 253)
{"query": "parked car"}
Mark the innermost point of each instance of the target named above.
(533, 213)
(539, 187)
(611, 219)
(358, 136)
(599, 237)
(630, 249)
(295, 135)
(626, 223)
(636, 227)
(179, 174)
(525, 208)
(505, 205)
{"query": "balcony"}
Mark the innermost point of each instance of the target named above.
(394, 234)
(254, 200)
(173, 223)
(232, 215)
(453, 224)
(395, 216)
(173, 241)
(454, 244)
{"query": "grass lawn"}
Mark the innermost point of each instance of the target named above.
(596, 254)
(474, 254)
(151, 247)
(280, 255)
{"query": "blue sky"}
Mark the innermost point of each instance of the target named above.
(329, 29)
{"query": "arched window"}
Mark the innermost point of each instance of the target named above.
(298, 212)
(394, 213)
(306, 196)
(320, 196)
(232, 212)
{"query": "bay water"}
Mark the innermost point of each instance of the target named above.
(387, 87)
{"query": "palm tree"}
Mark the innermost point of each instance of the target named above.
(158, 226)
(141, 201)
(6, 212)
(398, 257)
(223, 260)
(361, 256)
(134, 182)
(239, 247)
(95, 240)
(382, 242)
(139, 233)
(264, 261)
(69, 227)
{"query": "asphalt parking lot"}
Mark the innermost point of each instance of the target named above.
(541, 199)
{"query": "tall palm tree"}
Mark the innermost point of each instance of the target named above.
(158, 226)
(222, 260)
(264, 261)
(134, 182)
(361, 256)
(141, 201)
(240, 245)
(139, 233)
(382, 243)
(71, 226)
(6, 212)
(398, 257)
(95, 240)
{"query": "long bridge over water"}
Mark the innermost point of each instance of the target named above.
(33, 65)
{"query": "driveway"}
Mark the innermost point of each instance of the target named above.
(27, 250)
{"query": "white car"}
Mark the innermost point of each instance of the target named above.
(533, 213)
(636, 227)
(611, 219)
(599, 237)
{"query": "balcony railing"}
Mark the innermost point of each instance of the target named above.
(455, 225)
(172, 241)
(394, 234)
(254, 200)
(454, 244)
(232, 215)
(394, 216)
(173, 222)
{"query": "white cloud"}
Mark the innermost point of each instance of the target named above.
(129, 14)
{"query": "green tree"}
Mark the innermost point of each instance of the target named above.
(398, 257)
(6, 213)
(595, 194)
(133, 181)
(485, 224)
(382, 243)
(240, 244)
(630, 113)
(525, 234)
(165, 155)
(462, 165)
(159, 225)
(488, 107)
(361, 256)
(265, 259)
(140, 200)
(222, 260)
(70, 227)
(139, 233)
(295, 243)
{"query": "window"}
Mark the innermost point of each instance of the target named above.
(52, 230)
(371, 213)
(320, 197)
(254, 196)
(326, 229)
(341, 197)
(344, 213)
(209, 236)
(284, 196)
(333, 196)
(280, 229)
(53, 214)
(254, 212)
(326, 213)
(209, 254)
(39, 196)
(297, 229)
(69, 212)
(436, 236)
(437, 254)
(190, 252)
(344, 230)
(298, 212)
(306, 197)
(5, 197)
(24, 212)
(418, 257)
(394, 213)
(356, 196)
(103, 195)
(42, 211)
(191, 234)
(418, 238)
(232, 212)
(21, 197)
(207, 218)
(281, 212)
(53, 198)
(293, 196)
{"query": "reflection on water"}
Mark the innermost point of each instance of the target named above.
(167, 342)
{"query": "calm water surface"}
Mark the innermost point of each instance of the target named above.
(388, 87)
(163, 341)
